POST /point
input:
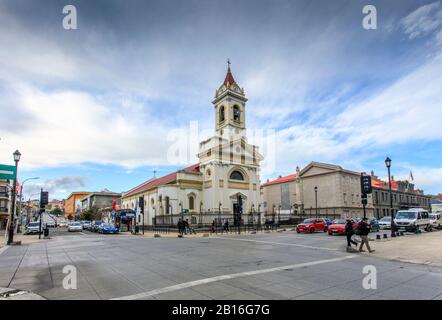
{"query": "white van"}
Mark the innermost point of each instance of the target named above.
(436, 220)
(413, 219)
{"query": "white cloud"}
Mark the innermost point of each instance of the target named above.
(423, 20)
(70, 127)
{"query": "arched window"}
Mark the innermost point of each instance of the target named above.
(221, 114)
(167, 205)
(236, 175)
(191, 203)
(236, 113)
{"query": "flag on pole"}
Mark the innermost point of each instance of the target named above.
(411, 176)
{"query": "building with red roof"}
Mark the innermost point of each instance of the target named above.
(224, 184)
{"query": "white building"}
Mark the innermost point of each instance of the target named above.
(225, 182)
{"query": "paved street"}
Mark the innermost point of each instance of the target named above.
(279, 265)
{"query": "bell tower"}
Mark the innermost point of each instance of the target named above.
(230, 102)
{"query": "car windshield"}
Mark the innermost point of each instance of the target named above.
(76, 224)
(386, 219)
(406, 215)
(97, 223)
(309, 221)
(339, 221)
(34, 224)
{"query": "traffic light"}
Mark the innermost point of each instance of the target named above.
(364, 199)
(141, 203)
(366, 184)
(44, 198)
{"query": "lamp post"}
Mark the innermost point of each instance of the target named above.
(16, 155)
(388, 165)
(253, 213)
(182, 213)
(201, 214)
(20, 200)
(219, 213)
(279, 215)
(259, 214)
(316, 201)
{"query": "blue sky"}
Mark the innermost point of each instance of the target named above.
(95, 107)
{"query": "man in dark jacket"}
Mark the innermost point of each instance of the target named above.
(180, 226)
(349, 232)
(364, 230)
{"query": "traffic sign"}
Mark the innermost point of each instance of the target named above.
(7, 172)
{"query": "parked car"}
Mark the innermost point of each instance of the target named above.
(414, 219)
(34, 227)
(337, 227)
(107, 228)
(312, 225)
(436, 220)
(75, 226)
(94, 226)
(62, 224)
(385, 223)
(50, 224)
(86, 224)
(374, 224)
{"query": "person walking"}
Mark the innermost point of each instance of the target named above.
(364, 230)
(180, 226)
(349, 232)
(226, 226)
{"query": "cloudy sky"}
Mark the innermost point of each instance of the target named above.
(100, 107)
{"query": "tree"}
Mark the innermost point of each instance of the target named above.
(56, 211)
(91, 214)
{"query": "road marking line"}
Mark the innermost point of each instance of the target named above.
(3, 249)
(278, 243)
(226, 277)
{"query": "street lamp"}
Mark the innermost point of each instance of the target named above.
(279, 215)
(17, 156)
(316, 200)
(201, 213)
(19, 203)
(219, 212)
(388, 165)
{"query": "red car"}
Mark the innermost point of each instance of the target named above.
(312, 225)
(338, 226)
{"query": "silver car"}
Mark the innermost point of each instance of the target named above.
(385, 223)
(75, 226)
(33, 227)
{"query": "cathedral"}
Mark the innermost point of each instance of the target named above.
(223, 184)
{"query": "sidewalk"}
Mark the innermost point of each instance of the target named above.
(421, 248)
(25, 239)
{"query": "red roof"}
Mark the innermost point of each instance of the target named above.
(290, 177)
(382, 184)
(160, 181)
(229, 78)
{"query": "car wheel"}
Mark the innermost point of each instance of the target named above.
(312, 230)
(329, 233)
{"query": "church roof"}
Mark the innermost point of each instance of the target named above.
(229, 78)
(153, 183)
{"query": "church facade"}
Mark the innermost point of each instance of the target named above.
(223, 184)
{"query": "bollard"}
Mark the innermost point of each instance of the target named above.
(378, 237)
(385, 236)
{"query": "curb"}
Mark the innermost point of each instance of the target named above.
(18, 294)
